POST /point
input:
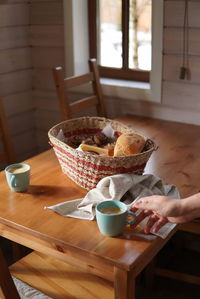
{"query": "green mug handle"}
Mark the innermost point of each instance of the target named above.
(14, 182)
(130, 218)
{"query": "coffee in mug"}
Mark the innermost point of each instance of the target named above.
(19, 169)
(112, 216)
(111, 210)
(18, 176)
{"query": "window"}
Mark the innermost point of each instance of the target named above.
(77, 53)
(120, 37)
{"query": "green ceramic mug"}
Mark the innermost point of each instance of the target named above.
(112, 216)
(18, 176)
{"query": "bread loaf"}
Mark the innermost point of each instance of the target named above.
(130, 143)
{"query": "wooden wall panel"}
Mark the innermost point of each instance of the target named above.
(173, 41)
(47, 36)
(171, 68)
(15, 59)
(16, 74)
(174, 12)
(40, 59)
(46, 119)
(47, 40)
(43, 79)
(176, 93)
(14, 15)
(14, 1)
(15, 82)
(23, 144)
(19, 125)
(117, 106)
(42, 140)
(45, 100)
(14, 37)
(18, 103)
(41, 15)
(181, 95)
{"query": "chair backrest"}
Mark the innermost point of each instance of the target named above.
(7, 153)
(7, 286)
(63, 85)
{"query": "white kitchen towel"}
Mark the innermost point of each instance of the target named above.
(124, 187)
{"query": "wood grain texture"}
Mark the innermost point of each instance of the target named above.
(12, 60)
(48, 12)
(43, 79)
(24, 219)
(173, 41)
(172, 65)
(14, 15)
(14, 37)
(181, 94)
(177, 159)
(40, 59)
(174, 19)
(47, 35)
(17, 103)
(125, 284)
(14, 82)
(63, 85)
(60, 280)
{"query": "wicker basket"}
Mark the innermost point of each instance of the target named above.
(85, 169)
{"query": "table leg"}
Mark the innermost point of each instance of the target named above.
(124, 284)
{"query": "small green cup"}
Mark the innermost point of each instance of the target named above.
(112, 216)
(18, 176)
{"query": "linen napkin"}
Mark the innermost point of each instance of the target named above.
(124, 187)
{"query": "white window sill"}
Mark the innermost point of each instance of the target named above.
(125, 83)
(126, 89)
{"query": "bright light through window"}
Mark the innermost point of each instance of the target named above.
(110, 33)
(110, 29)
(140, 34)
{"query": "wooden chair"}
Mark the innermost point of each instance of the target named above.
(37, 273)
(7, 154)
(63, 86)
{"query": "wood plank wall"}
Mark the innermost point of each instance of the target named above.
(47, 41)
(186, 92)
(16, 74)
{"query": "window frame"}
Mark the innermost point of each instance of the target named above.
(109, 72)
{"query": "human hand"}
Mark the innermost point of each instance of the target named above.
(161, 209)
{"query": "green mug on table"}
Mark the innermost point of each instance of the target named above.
(112, 216)
(18, 176)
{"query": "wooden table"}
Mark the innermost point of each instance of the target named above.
(24, 220)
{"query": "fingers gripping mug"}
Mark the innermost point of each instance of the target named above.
(112, 216)
(18, 176)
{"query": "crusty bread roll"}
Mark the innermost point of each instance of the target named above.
(130, 143)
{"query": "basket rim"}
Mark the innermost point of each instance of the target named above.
(63, 144)
(87, 117)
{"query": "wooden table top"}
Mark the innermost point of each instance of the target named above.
(49, 186)
(176, 161)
